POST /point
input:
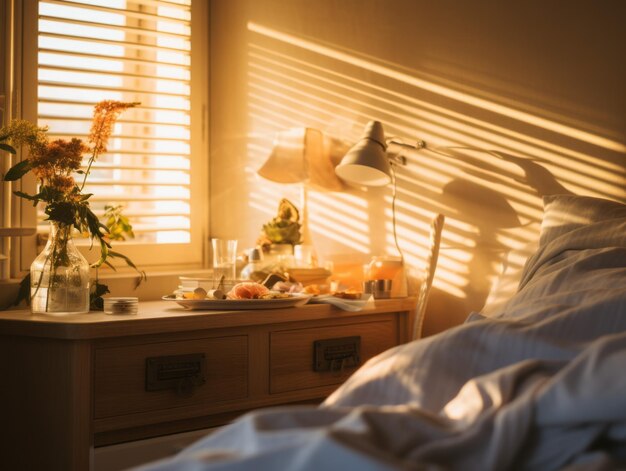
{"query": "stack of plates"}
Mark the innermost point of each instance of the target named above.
(188, 283)
(121, 305)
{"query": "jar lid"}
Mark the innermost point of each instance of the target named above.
(121, 305)
(121, 301)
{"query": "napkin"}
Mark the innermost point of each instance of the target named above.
(345, 304)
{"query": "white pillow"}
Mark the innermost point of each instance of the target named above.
(576, 223)
(565, 213)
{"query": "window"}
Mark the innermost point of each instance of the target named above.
(155, 167)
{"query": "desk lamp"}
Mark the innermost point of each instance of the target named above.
(368, 163)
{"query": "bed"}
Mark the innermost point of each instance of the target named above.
(536, 383)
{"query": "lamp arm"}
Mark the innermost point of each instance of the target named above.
(400, 159)
(418, 144)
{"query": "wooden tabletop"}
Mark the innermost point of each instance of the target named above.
(166, 316)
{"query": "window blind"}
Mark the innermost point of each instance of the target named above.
(135, 51)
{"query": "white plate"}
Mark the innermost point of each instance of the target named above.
(240, 304)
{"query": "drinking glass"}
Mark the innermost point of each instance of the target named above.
(224, 261)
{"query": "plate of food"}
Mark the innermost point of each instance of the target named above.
(243, 296)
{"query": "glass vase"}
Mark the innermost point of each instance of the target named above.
(59, 276)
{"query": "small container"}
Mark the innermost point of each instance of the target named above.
(381, 289)
(121, 305)
(255, 266)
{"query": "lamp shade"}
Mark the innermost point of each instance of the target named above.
(366, 163)
(299, 156)
(287, 163)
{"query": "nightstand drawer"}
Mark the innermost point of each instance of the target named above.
(324, 356)
(166, 375)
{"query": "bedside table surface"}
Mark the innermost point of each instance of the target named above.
(162, 316)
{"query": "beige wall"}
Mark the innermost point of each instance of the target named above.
(542, 83)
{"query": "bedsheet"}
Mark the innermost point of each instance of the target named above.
(539, 385)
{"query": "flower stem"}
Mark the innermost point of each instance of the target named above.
(92, 159)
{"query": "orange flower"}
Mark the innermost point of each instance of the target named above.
(64, 156)
(105, 114)
(53, 163)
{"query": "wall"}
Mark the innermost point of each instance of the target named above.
(541, 84)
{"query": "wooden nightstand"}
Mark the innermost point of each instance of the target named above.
(73, 383)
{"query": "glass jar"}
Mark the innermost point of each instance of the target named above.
(59, 276)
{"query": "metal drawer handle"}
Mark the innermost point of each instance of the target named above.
(180, 373)
(336, 354)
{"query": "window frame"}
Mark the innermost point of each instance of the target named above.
(190, 256)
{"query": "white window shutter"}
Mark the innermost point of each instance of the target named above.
(134, 51)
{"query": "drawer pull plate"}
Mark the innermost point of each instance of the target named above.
(336, 354)
(181, 373)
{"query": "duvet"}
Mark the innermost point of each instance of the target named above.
(538, 384)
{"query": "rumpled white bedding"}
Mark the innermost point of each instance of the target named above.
(541, 385)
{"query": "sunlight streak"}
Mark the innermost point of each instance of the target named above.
(379, 94)
(438, 89)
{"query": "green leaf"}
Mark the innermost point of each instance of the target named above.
(26, 196)
(110, 265)
(24, 291)
(18, 171)
(50, 195)
(119, 225)
(63, 212)
(94, 226)
(8, 148)
(96, 303)
(129, 262)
